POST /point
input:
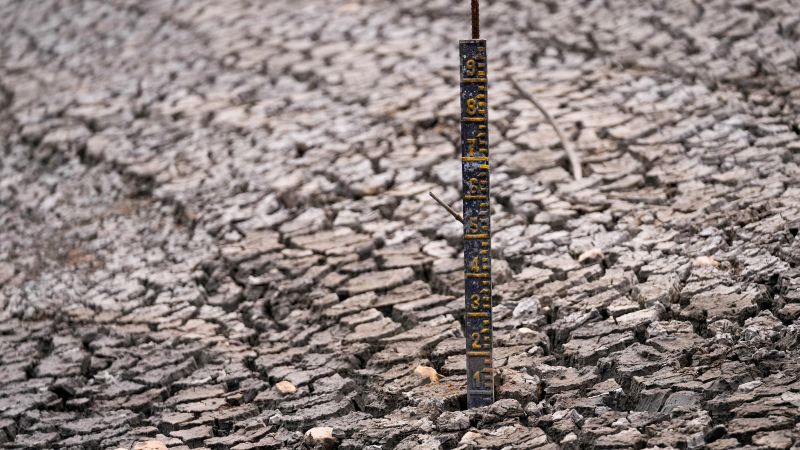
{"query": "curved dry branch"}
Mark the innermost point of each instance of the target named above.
(574, 159)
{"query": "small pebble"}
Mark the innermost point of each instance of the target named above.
(285, 387)
(591, 255)
(427, 372)
(320, 436)
(705, 261)
(150, 445)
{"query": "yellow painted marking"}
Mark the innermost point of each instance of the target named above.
(476, 275)
(474, 158)
(474, 197)
(473, 80)
(476, 236)
(484, 166)
(473, 119)
(479, 353)
(478, 314)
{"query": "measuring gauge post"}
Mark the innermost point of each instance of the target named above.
(477, 223)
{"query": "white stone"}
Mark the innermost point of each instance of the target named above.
(320, 436)
(150, 445)
(285, 387)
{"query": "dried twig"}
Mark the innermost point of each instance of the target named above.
(449, 209)
(574, 159)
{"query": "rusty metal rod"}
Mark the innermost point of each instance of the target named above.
(476, 20)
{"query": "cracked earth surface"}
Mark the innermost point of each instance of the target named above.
(215, 230)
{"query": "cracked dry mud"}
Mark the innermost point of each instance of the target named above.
(215, 230)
